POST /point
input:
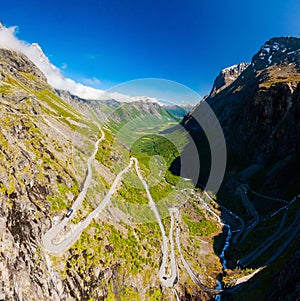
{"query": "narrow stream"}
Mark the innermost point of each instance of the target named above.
(223, 259)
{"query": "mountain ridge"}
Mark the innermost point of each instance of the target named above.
(259, 112)
(226, 77)
(248, 92)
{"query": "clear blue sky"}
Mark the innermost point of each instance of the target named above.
(119, 40)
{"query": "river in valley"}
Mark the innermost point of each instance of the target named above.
(223, 259)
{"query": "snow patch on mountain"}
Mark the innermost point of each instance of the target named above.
(277, 51)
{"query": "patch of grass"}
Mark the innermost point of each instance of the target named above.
(104, 152)
(132, 190)
(154, 294)
(129, 293)
(102, 245)
(168, 147)
(5, 89)
(273, 80)
(204, 227)
(151, 145)
(29, 76)
(160, 191)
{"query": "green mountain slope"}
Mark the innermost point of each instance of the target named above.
(45, 144)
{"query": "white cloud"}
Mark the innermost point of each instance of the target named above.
(34, 52)
(91, 81)
(64, 66)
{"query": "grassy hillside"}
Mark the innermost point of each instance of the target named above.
(44, 146)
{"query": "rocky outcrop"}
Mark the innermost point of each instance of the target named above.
(277, 51)
(14, 63)
(259, 113)
(226, 77)
(25, 182)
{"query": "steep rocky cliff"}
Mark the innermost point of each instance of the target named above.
(259, 114)
(30, 173)
(259, 111)
(226, 77)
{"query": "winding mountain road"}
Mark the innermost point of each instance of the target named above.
(184, 262)
(265, 196)
(242, 191)
(60, 247)
(228, 211)
(273, 238)
(168, 277)
(173, 278)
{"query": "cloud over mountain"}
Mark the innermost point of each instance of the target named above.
(34, 52)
